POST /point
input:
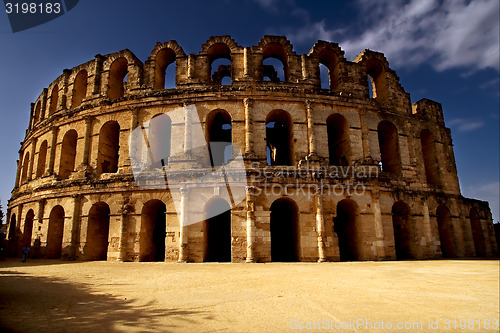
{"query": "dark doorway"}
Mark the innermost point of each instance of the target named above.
(28, 228)
(403, 234)
(477, 233)
(218, 231)
(55, 233)
(153, 224)
(97, 232)
(284, 230)
(446, 235)
(345, 226)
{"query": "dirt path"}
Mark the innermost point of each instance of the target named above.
(59, 296)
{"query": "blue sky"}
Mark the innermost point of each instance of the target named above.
(447, 51)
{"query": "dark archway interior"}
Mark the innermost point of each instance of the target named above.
(445, 228)
(279, 138)
(152, 244)
(389, 148)
(284, 231)
(218, 231)
(220, 138)
(28, 228)
(401, 223)
(338, 140)
(55, 233)
(477, 234)
(346, 230)
(109, 139)
(97, 232)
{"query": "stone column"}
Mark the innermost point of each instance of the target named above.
(33, 149)
(245, 62)
(97, 75)
(379, 228)
(305, 74)
(187, 129)
(75, 227)
(86, 145)
(430, 251)
(250, 206)
(320, 228)
(52, 155)
(248, 127)
(364, 136)
(122, 256)
(19, 167)
(183, 255)
(311, 144)
(191, 66)
(43, 104)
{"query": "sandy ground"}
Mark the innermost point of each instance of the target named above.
(59, 296)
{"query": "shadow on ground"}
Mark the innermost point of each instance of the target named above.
(40, 304)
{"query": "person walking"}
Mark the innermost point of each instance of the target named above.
(26, 250)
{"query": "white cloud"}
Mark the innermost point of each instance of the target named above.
(447, 34)
(465, 125)
(487, 192)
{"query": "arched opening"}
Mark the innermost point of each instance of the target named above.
(79, 88)
(274, 63)
(109, 138)
(219, 137)
(28, 228)
(430, 157)
(477, 233)
(37, 116)
(285, 237)
(12, 227)
(42, 158)
(338, 140)
(54, 97)
(165, 61)
(279, 138)
(68, 154)
(218, 231)
(153, 225)
(403, 226)
(24, 174)
(96, 247)
(388, 140)
(346, 227)
(219, 56)
(55, 233)
(159, 137)
(117, 73)
(329, 69)
(376, 79)
(446, 234)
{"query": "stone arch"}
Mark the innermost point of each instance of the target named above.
(218, 128)
(275, 51)
(215, 52)
(37, 116)
(109, 144)
(42, 159)
(404, 231)
(160, 139)
(346, 226)
(446, 233)
(226, 39)
(217, 230)
(163, 59)
(375, 71)
(54, 98)
(429, 157)
(25, 165)
(285, 232)
(117, 73)
(68, 154)
(339, 144)
(477, 233)
(153, 231)
(388, 140)
(330, 55)
(96, 246)
(279, 138)
(79, 88)
(55, 233)
(12, 228)
(28, 228)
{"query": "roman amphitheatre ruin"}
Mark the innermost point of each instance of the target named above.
(340, 169)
